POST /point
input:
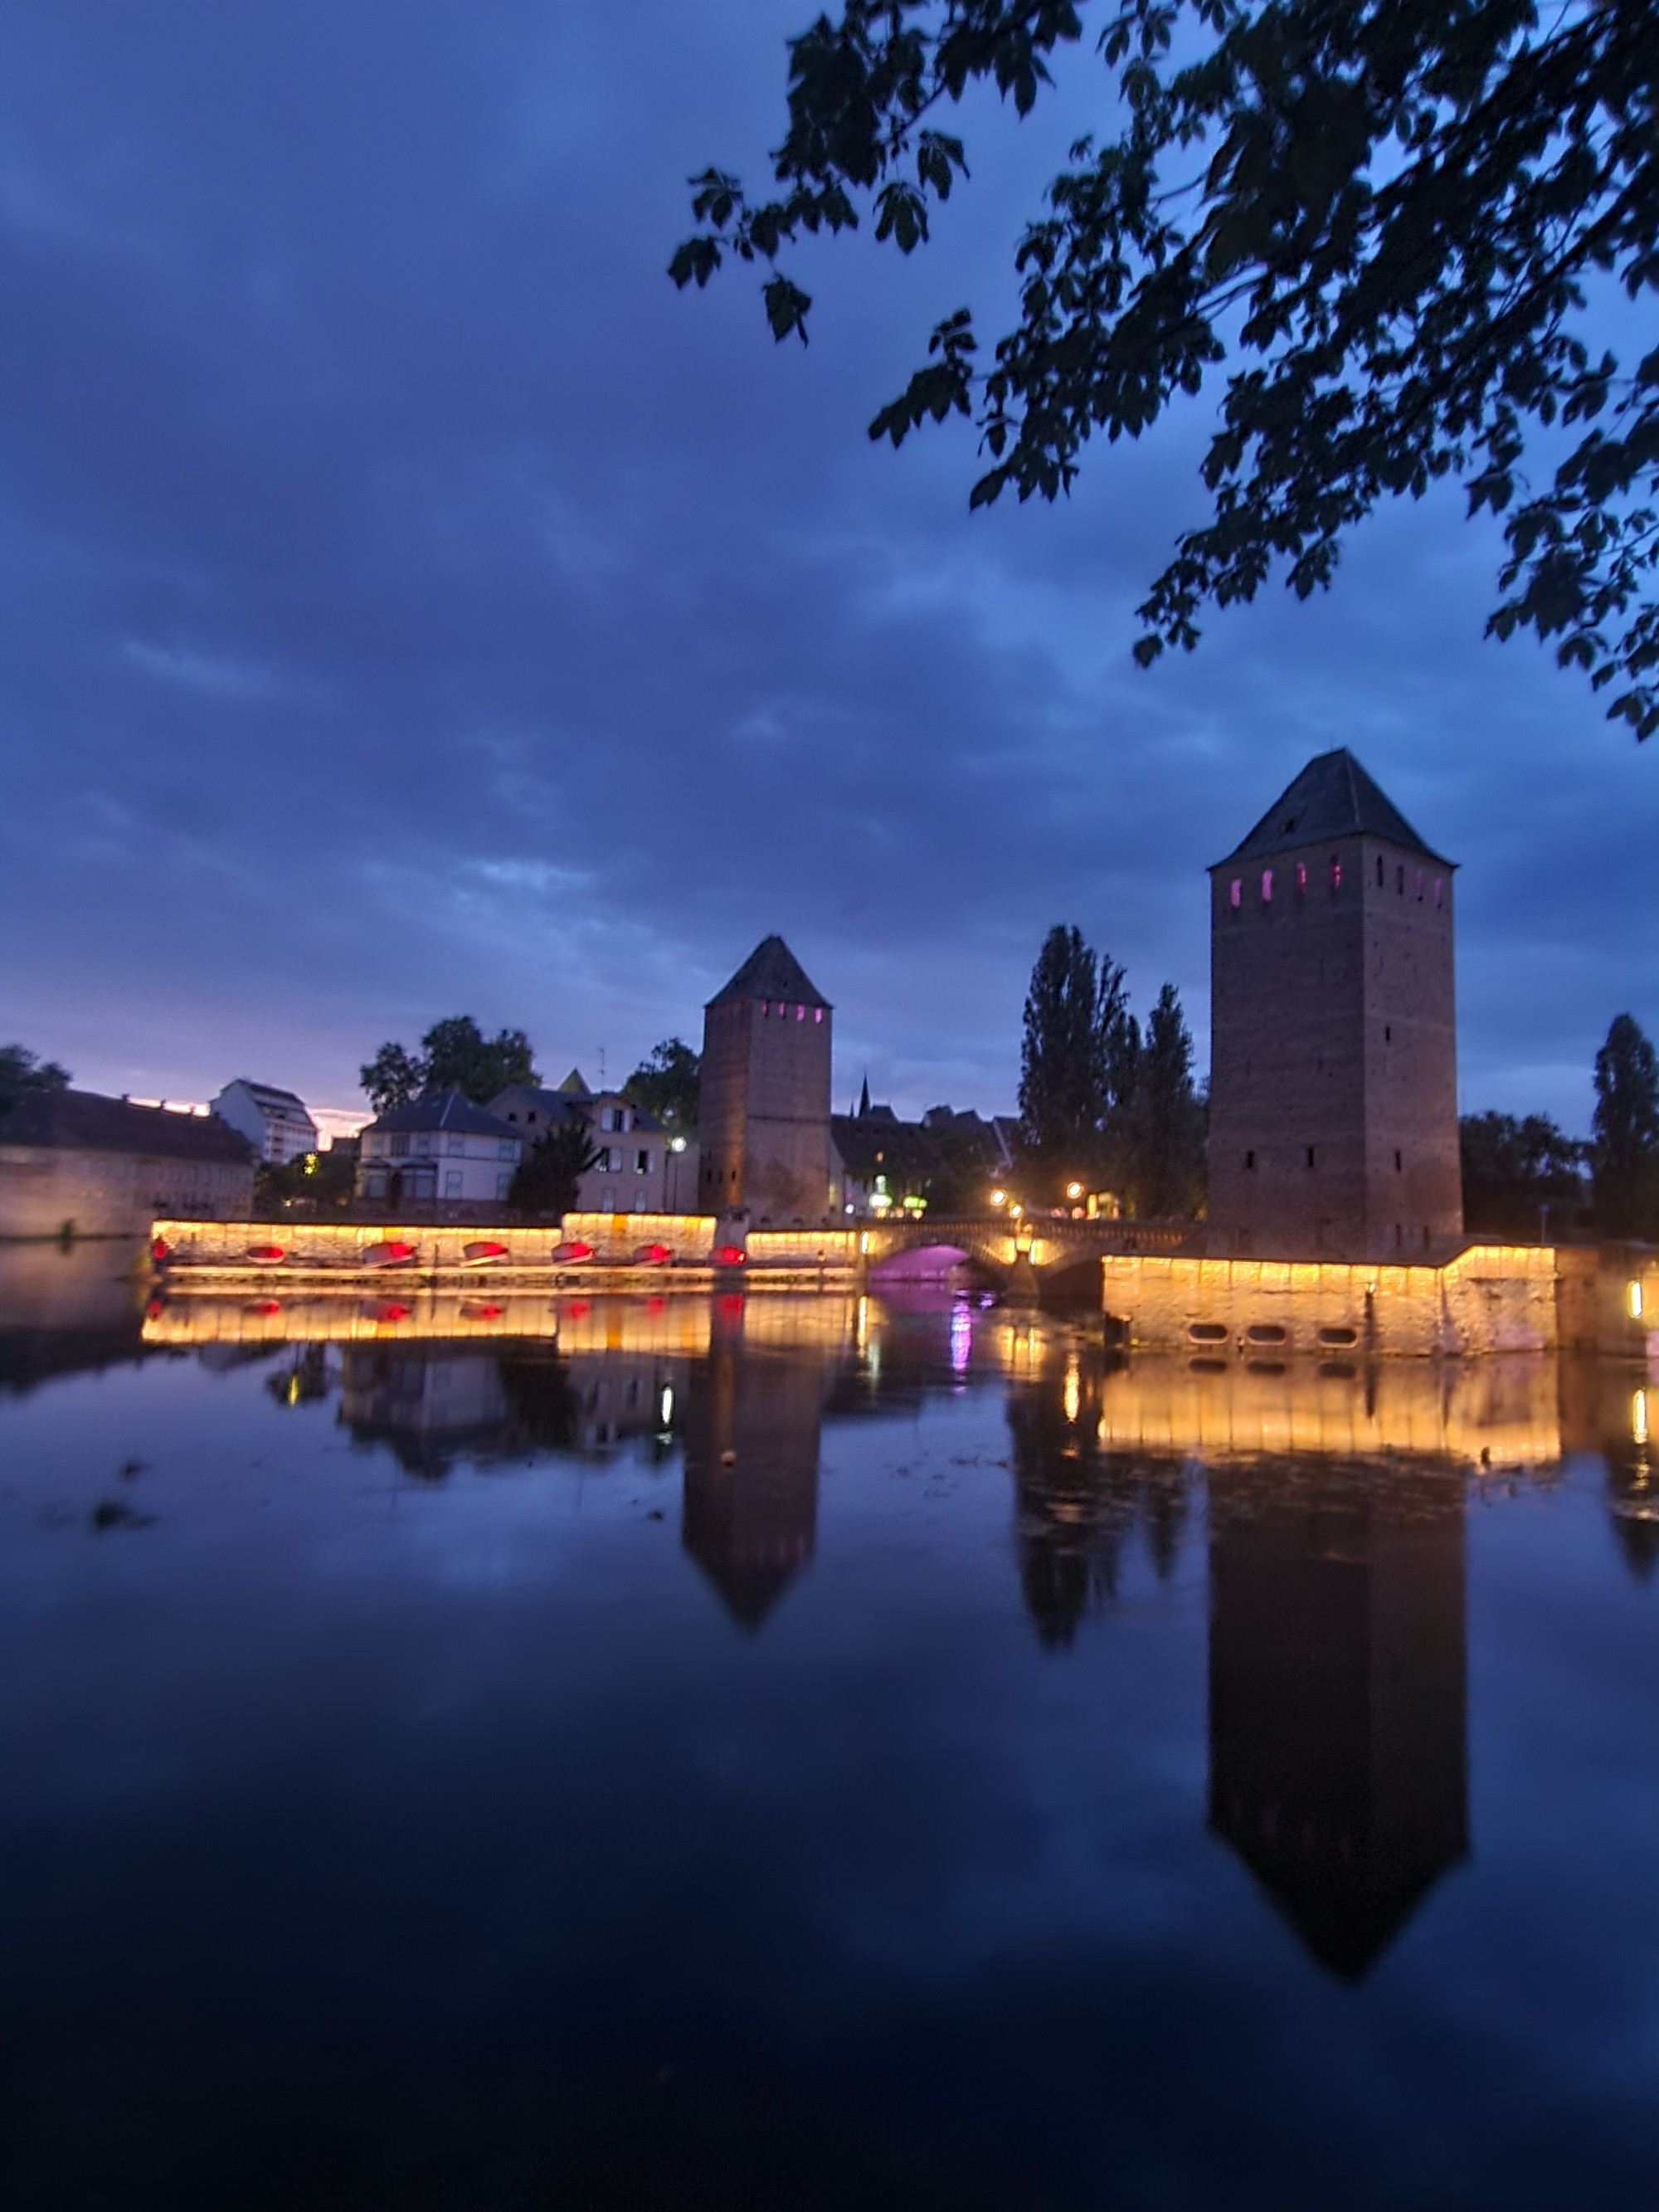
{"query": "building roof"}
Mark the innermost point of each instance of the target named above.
(269, 1094)
(771, 971)
(558, 1105)
(444, 1110)
(1332, 798)
(85, 1121)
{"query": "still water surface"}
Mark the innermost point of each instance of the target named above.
(807, 1753)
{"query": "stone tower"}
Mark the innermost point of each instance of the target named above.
(1334, 1048)
(764, 1117)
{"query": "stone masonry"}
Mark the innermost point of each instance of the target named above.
(764, 1111)
(1334, 1053)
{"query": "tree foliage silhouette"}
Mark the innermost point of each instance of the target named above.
(455, 1054)
(1391, 222)
(1625, 1147)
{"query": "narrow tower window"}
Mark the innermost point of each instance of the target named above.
(1379, 872)
(1235, 891)
(1399, 1165)
(1250, 1159)
(1311, 1156)
(1336, 874)
(1399, 880)
(1418, 886)
(1301, 876)
(1439, 891)
(1267, 883)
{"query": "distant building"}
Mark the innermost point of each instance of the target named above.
(764, 1111)
(1334, 1051)
(643, 1169)
(73, 1161)
(442, 1150)
(274, 1122)
(948, 1160)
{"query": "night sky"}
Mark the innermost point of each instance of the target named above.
(412, 604)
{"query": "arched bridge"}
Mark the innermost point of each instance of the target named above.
(1041, 1251)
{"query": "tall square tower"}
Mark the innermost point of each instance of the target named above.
(1333, 1037)
(764, 1113)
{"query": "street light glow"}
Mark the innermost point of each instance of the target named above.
(1074, 1190)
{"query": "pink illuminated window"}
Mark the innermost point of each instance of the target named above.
(800, 1014)
(1336, 875)
(818, 1013)
(1267, 883)
(1301, 875)
(1235, 891)
(1439, 890)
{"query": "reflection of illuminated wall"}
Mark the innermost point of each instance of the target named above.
(406, 1313)
(1338, 1768)
(1489, 1298)
(431, 1406)
(1503, 1411)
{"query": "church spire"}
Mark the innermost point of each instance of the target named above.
(864, 1099)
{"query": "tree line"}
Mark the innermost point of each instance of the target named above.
(1104, 1103)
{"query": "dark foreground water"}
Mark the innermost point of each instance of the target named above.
(800, 1753)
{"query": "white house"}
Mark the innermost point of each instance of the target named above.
(443, 1151)
(274, 1122)
(641, 1168)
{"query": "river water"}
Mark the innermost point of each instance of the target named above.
(807, 1752)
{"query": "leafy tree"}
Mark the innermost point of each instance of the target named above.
(393, 1078)
(547, 1176)
(455, 1056)
(459, 1057)
(1514, 1170)
(320, 1181)
(1165, 1118)
(1072, 1046)
(1389, 222)
(23, 1070)
(666, 1084)
(1625, 1147)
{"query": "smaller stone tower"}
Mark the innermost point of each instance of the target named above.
(1333, 1048)
(763, 1116)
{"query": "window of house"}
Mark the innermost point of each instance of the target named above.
(642, 1162)
(506, 1148)
(1235, 891)
(455, 1145)
(1267, 883)
(607, 1200)
(452, 1182)
(607, 1119)
(503, 1184)
(400, 1146)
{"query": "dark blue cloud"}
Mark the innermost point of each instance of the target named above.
(414, 604)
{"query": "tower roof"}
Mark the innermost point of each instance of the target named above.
(1332, 798)
(771, 971)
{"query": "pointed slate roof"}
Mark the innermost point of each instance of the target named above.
(1332, 798)
(771, 971)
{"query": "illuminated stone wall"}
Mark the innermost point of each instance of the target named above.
(1489, 1298)
(1333, 1055)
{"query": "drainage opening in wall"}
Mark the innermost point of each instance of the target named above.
(1207, 1366)
(1338, 1336)
(1266, 1332)
(1207, 1331)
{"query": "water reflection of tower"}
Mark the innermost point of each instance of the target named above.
(1338, 1768)
(750, 1515)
